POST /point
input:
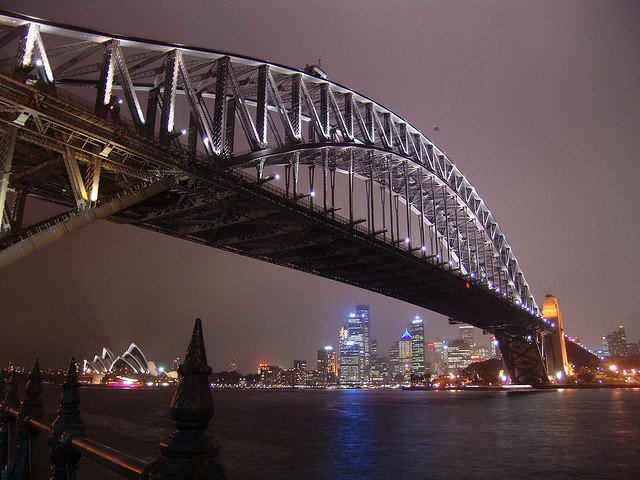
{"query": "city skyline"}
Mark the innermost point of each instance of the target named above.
(536, 131)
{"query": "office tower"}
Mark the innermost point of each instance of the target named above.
(494, 351)
(394, 358)
(270, 375)
(615, 344)
(458, 355)
(466, 333)
(479, 353)
(357, 330)
(417, 346)
(373, 351)
(321, 365)
(405, 351)
(327, 365)
(350, 363)
(364, 314)
(300, 365)
(441, 354)
(332, 365)
(431, 357)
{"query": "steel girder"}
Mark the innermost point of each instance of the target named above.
(215, 93)
(522, 356)
(290, 120)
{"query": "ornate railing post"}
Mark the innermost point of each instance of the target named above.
(30, 407)
(6, 421)
(189, 453)
(9, 400)
(65, 427)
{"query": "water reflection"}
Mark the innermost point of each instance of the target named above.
(360, 434)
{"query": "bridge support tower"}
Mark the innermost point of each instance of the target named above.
(555, 349)
(522, 355)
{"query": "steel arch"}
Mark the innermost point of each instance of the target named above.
(272, 104)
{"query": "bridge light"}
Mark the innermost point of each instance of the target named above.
(276, 176)
(183, 131)
(205, 140)
(39, 62)
(423, 248)
(468, 285)
(407, 240)
(312, 193)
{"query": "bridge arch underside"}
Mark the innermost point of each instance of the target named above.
(277, 165)
(315, 235)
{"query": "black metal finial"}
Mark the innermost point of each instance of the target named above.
(67, 425)
(30, 407)
(189, 453)
(11, 394)
(70, 399)
(192, 405)
(10, 400)
(33, 388)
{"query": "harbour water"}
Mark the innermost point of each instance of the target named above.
(386, 434)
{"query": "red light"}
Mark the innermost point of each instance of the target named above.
(468, 285)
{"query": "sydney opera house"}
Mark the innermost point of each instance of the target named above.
(129, 369)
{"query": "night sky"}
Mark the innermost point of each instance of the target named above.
(538, 104)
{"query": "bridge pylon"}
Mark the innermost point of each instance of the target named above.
(522, 356)
(555, 349)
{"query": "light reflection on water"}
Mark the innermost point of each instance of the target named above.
(383, 434)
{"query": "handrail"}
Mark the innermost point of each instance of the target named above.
(40, 425)
(115, 460)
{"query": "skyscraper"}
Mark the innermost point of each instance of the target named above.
(356, 331)
(494, 351)
(418, 351)
(615, 344)
(350, 363)
(364, 314)
(405, 351)
(373, 351)
(327, 365)
(458, 355)
(431, 358)
(441, 348)
(466, 334)
(394, 358)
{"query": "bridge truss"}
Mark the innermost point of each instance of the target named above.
(255, 158)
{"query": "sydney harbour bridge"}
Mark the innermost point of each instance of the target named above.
(275, 163)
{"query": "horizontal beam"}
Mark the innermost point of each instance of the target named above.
(46, 237)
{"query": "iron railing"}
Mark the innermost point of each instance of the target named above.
(188, 453)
